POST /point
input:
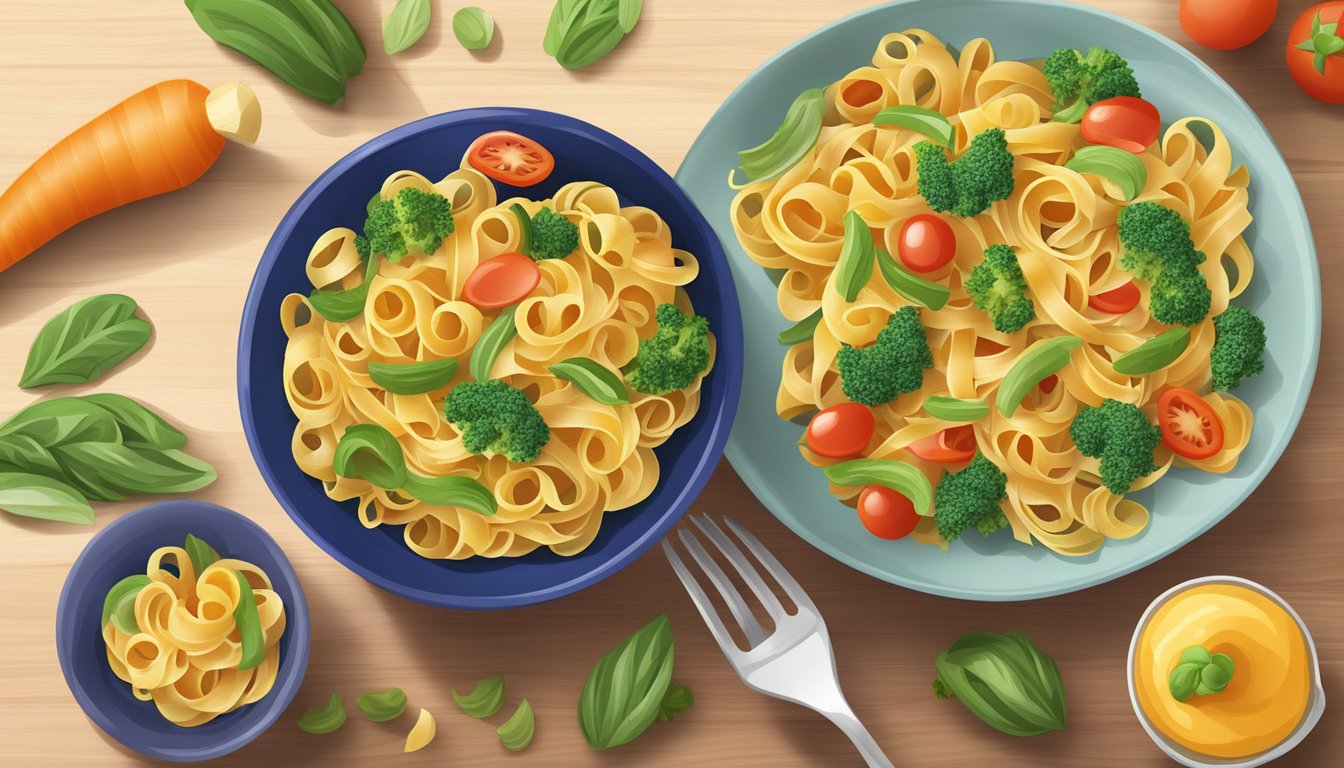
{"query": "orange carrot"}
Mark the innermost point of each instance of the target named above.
(156, 141)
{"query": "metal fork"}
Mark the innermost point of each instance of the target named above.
(794, 662)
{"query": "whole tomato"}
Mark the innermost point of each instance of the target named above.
(1227, 24)
(1314, 52)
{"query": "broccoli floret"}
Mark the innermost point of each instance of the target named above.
(999, 289)
(553, 236)
(411, 219)
(495, 418)
(1158, 249)
(673, 356)
(970, 499)
(362, 247)
(1238, 347)
(1122, 437)
(968, 185)
(1079, 80)
(890, 366)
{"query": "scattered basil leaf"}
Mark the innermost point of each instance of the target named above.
(952, 409)
(1041, 360)
(897, 475)
(381, 706)
(801, 331)
(621, 696)
(406, 24)
(1124, 169)
(110, 471)
(857, 253)
(628, 12)
(43, 498)
(593, 379)
(492, 342)
(84, 340)
(1200, 672)
(63, 420)
(370, 452)
(123, 613)
(201, 554)
(516, 733)
(344, 306)
(791, 142)
(925, 293)
(21, 454)
(927, 122)
(137, 423)
(413, 378)
(1004, 680)
(678, 699)
(584, 31)
(131, 585)
(473, 28)
(248, 619)
(1154, 354)
(563, 16)
(452, 491)
(485, 699)
(324, 719)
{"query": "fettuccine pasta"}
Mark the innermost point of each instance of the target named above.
(1062, 225)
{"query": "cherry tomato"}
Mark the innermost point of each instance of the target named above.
(861, 93)
(927, 243)
(1315, 57)
(841, 431)
(1048, 384)
(1190, 428)
(1116, 301)
(1124, 122)
(501, 281)
(511, 159)
(953, 445)
(886, 514)
(1227, 24)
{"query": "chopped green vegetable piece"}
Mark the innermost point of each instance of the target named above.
(896, 475)
(855, 265)
(922, 292)
(516, 733)
(1042, 359)
(928, 122)
(791, 142)
(952, 409)
(452, 491)
(1004, 680)
(247, 618)
(413, 378)
(801, 331)
(381, 706)
(473, 28)
(202, 555)
(492, 342)
(678, 699)
(324, 719)
(524, 228)
(1124, 169)
(1154, 354)
(370, 452)
(593, 379)
(344, 306)
(406, 24)
(485, 699)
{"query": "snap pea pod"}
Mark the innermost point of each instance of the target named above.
(896, 475)
(248, 619)
(952, 409)
(492, 342)
(855, 266)
(928, 122)
(922, 292)
(1042, 359)
(1154, 354)
(800, 331)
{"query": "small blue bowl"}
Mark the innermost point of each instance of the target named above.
(123, 548)
(434, 147)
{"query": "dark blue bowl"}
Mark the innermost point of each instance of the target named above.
(434, 146)
(123, 548)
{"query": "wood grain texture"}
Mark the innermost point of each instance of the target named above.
(188, 259)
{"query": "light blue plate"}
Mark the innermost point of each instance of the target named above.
(1286, 292)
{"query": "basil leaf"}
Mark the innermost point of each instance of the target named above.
(621, 695)
(452, 491)
(473, 28)
(516, 733)
(82, 341)
(915, 289)
(927, 122)
(791, 142)
(63, 420)
(485, 699)
(1154, 354)
(202, 555)
(952, 409)
(123, 614)
(370, 452)
(23, 454)
(413, 378)
(1042, 359)
(1004, 680)
(593, 379)
(324, 719)
(137, 423)
(563, 16)
(801, 331)
(1183, 680)
(43, 498)
(344, 306)
(333, 31)
(131, 585)
(248, 619)
(491, 343)
(1124, 169)
(678, 699)
(855, 266)
(628, 13)
(406, 24)
(106, 471)
(592, 37)
(1196, 654)
(897, 475)
(381, 706)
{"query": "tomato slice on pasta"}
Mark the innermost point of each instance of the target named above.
(1190, 428)
(953, 445)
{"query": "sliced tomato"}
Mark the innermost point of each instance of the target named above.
(927, 243)
(887, 514)
(841, 431)
(861, 93)
(953, 445)
(501, 281)
(1048, 384)
(1190, 428)
(1116, 301)
(510, 158)
(1125, 122)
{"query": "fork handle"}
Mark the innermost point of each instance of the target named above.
(848, 722)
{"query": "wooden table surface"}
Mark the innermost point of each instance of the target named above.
(188, 259)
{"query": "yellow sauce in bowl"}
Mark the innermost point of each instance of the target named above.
(1268, 693)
